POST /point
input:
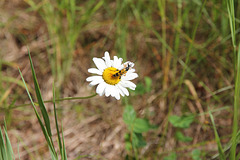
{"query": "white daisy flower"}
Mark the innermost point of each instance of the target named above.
(112, 77)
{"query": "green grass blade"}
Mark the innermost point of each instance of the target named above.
(3, 155)
(39, 97)
(64, 148)
(9, 150)
(238, 156)
(56, 121)
(231, 15)
(220, 150)
(53, 156)
(228, 146)
(57, 100)
(45, 133)
(236, 108)
(231, 10)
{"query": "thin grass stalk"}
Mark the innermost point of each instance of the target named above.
(56, 100)
(236, 109)
(64, 153)
(231, 15)
(56, 122)
(165, 64)
(220, 149)
(177, 38)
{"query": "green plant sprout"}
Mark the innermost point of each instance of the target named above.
(136, 126)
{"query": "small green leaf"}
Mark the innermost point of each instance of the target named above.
(172, 156)
(129, 115)
(141, 125)
(135, 140)
(128, 145)
(148, 82)
(144, 88)
(181, 122)
(138, 140)
(196, 153)
(127, 137)
(182, 138)
(140, 89)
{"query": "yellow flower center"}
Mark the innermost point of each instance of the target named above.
(108, 76)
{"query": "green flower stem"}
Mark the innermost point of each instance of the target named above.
(70, 98)
(56, 100)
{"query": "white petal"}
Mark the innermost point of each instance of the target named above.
(93, 78)
(130, 76)
(131, 70)
(130, 63)
(119, 90)
(100, 64)
(101, 88)
(119, 63)
(116, 62)
(117, 95)
(121, 67)
(96, 81)
(112, 63)
(113, 91)
(128, 84)
(107, 59)
(108, 90)
(116, 92)
(124, 90)
(94, 71)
